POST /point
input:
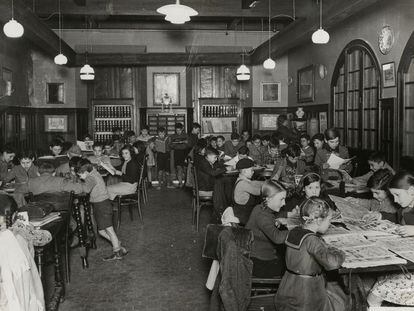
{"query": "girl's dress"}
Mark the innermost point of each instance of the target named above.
(397, 288)
(304, 286)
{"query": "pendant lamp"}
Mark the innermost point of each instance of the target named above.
(177, 13)
(60, 59)
(269, 63)
(320, 36)
(87, 73)
(13, 29)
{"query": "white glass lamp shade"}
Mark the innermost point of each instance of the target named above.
(243, 73)
(13, 29)
(87, 73)
(320, 36)
(269, 64)
(61, 59)
(177, 13)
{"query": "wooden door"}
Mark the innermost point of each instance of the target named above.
(387, 129)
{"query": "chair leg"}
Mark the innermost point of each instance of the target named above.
(145, 191)
(198, 216)
(119, 213)
(67, 263)
(139, 209)
(131, 214)
(193, 211)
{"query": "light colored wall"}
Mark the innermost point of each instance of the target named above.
(366, 26)
(46, 71)
(259, 75)
(173, 69)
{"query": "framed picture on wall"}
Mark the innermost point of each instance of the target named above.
(56, 123)
(166, 89)
(323, 121)
(306, 84)
(270, 92)
(268, 122)
(388, 74)
(7, 82)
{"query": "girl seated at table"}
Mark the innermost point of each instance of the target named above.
(267, 249)
(310, 185)
(398, 288)
(332, 146)
(129, 173)
(290, 166)
(381, 205)
(304, 285)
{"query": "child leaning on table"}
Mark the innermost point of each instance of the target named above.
(376, 162)
(304, 285)
(102, 207)
(398, 288)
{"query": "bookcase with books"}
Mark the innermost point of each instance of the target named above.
(168, 121)
(219, 116)
(110, 114)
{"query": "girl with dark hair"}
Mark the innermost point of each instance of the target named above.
(381, 205)
(266, 253)
(332, 146)
(304, 285)
(291, 165)
(129, 173)
(398, 288)
(318, 141)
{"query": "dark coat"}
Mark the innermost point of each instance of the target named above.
(206, 174)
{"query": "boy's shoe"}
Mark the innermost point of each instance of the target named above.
(123, 251)
(114, 256)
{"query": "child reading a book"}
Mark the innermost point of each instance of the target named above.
(6, 160)
(220, 143)
(304, 286)
(318, 140)
(150, 152)
(163, 157)
(256, 150)
(381, 205)
(100, 159)
(179, 147)
(332, 147)
(307, 154)
(398, 288)
(376, 162)
(290, 166)
(102, 208)
(233, 145)
(144, 136)
(272, 156)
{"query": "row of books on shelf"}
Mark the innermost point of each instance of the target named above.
(102, 138)
(214, 111)
(113, 111)
(109, 125)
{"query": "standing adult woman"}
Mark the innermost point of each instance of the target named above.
(267, 250)
(398, 288)
(129, 174)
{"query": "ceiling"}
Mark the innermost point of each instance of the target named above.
(141, 14)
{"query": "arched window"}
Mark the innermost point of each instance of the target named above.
(408, 111)
(355, 96)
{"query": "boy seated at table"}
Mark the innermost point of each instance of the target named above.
(381, 205)
(233, 145)
(242, 153)
(246, 191)
(144, 136)
(213, 142)
(109, 149)
(304, 285)
(207, 170)
(332, 146)
(291, 165)
(272, 156)
(376, 162)
(64, 169)
(99, 159)
(265, 141)
(307, 153)
(102, 207)
(256, 150)
(55, 148)
(220, 143)
(6, 161)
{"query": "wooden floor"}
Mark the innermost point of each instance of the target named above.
(163, 271)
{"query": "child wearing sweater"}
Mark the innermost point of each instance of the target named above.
(304, 285)
(102, 207)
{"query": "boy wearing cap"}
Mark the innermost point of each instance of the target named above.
(207, 170)
(246, 191)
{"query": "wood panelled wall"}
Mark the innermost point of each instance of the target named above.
(119, 83)
(24, 127)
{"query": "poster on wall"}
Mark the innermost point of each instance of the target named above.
(56, 123)
(388, 74)
(268, 122)
(323, 121)
(166, 89)
(270, 92)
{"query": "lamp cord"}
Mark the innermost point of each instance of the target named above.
(320, 14)
(60, 28)
(269, 29)
(12, 9)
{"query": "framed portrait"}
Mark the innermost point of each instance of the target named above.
(166, 89)
(7, 83)
(270, 92)
(388, 74)
(306, 84)
(323, 121)
(56, 123)
(55, 93)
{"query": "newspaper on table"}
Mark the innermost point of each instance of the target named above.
(349, 209)
(335, 162)
(403, 247)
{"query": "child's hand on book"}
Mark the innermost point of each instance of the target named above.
(405, 230)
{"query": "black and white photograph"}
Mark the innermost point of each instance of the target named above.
(206, 155)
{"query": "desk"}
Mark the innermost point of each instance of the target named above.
(57, 228)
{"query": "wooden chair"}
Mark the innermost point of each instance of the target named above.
(198, 200)
(143, 186)
(265, 285)
(131, 200)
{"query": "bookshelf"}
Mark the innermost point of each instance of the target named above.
(166, 120)
(108, 114)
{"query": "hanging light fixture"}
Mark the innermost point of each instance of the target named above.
(13, 29)
(86, 73)
(60, 59)
(177, 13)
(243, 72)
(320, 36)
(269, 63)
